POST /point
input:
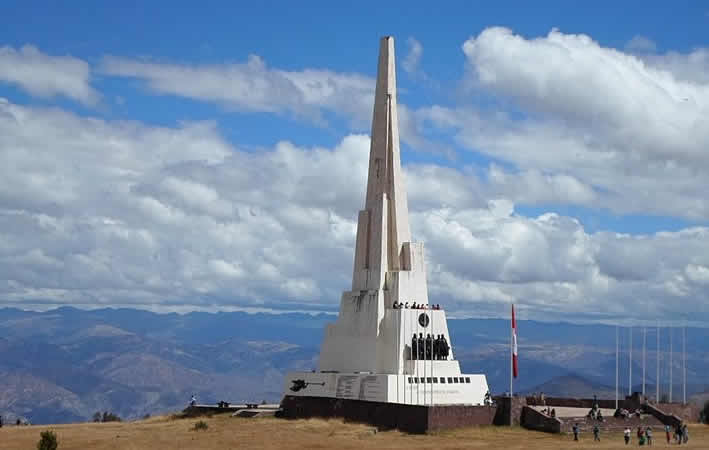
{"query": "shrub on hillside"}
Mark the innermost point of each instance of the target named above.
(47, 441)
(704, 413)
(105, 417)
(201, 425)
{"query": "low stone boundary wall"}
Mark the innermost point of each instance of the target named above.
(407, 418)
(662, 416)
(687, 413)
(631, 402)
(535, 420)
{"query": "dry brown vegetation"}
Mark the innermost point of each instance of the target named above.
(225, 432)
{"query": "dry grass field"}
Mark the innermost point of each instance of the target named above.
(225, 432)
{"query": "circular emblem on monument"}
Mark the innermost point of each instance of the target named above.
(423, 320)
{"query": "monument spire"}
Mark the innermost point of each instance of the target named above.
(385, 227)
(376, 350)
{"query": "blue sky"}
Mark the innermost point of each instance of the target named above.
(496, 106)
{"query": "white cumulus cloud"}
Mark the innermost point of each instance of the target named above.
(122, 213)
(44, 75)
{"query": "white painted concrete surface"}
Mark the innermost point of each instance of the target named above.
(369, 336)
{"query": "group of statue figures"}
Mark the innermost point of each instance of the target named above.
(429, 348)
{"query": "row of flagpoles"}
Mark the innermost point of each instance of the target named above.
(658, 352)
(514, 370)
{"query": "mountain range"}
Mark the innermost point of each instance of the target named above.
(65, 364)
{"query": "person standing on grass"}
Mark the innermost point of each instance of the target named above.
(626, 435)
(641, 436)
(596, 433)
(575, 429)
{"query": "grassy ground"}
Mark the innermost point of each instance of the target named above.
(225, 432)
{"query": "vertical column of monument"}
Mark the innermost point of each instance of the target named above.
(385, 178)
(386, 202)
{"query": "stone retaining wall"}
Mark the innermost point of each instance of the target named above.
(687, 413)
(535, 420)
(509, 410)
(408, 418)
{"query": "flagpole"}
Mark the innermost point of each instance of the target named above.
(671, 362)
(630, 361)
(512, 330)
(644, 343)
(684, 365)
(425, 367)
(657, 366)
(418, 352)
(433, 338)
(398, 354)
(407, 321)
(616, 367)
(430, 398)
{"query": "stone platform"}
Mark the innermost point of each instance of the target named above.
(407, 418)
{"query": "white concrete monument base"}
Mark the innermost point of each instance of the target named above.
(418, 382)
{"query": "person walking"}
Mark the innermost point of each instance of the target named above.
(596, 433)
(667, 433)
(648, 435)
(575, 429)
(641, 436)
(685, 433)
(626, 435)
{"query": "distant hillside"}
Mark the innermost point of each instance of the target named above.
(700, 398)
(63, 365)
(573, 386)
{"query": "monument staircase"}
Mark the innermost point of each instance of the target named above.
(586, 424)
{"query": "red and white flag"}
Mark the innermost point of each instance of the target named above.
(514, 343)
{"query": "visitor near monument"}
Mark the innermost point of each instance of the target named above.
(378, 350)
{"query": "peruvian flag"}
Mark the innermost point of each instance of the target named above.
(514, 343)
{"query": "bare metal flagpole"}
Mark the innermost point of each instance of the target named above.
(616, 367)
(671, 361)
(418, 353)
(410, 387)
(644, 343)
(630, 361)
(684, 365)
(425, 366)
(433, 334)
(657, 366)
(398, 355)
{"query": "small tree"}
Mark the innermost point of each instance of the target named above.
(97, 416)
(704, 413)
(201, 425)
(47, 441)
(110, 417)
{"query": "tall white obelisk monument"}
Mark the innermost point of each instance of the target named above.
(388, 267)
(367, 353)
